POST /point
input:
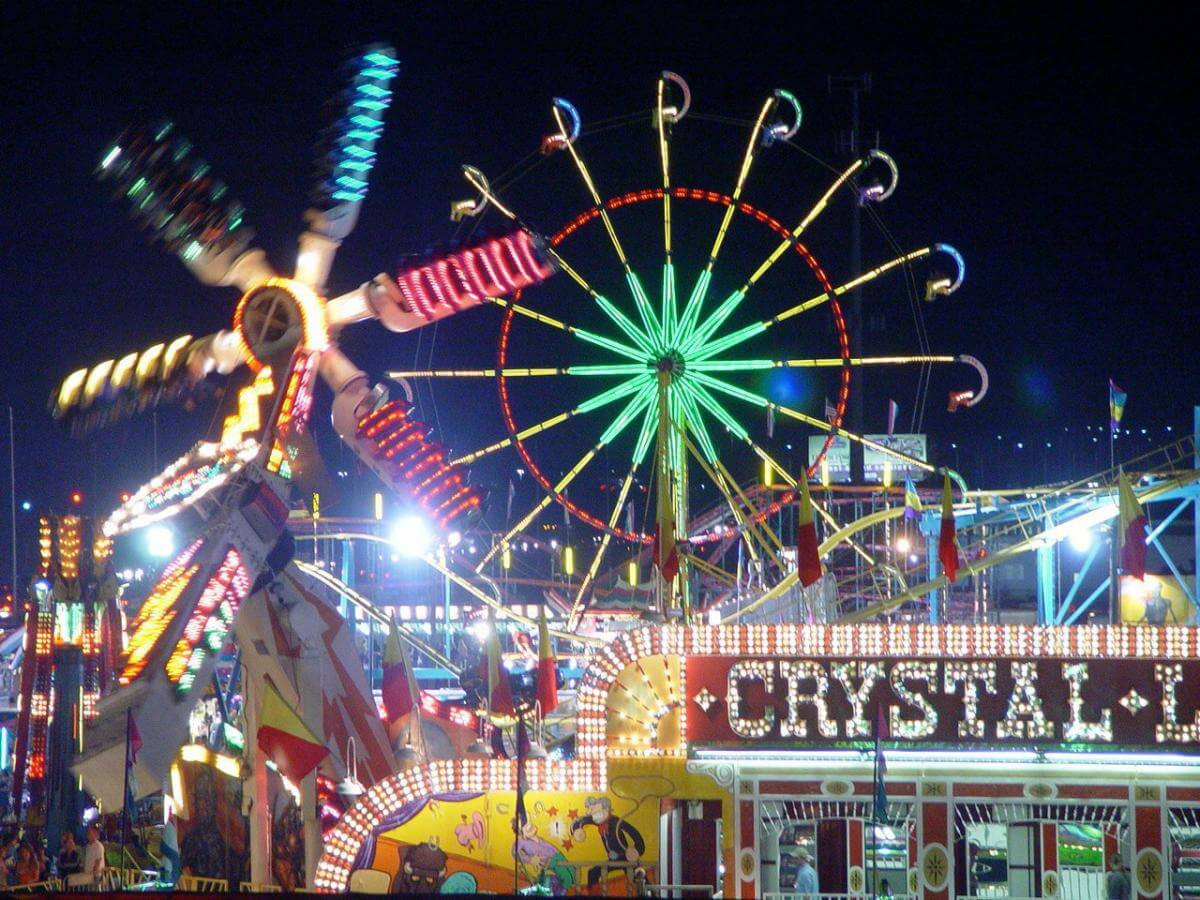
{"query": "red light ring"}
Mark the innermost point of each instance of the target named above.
(683, 194)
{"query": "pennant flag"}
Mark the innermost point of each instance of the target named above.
(808, 557)
(512, 492)
(1116, 405)
(1133, 530)
(893, 412)
(947, 549)
(499, 690)
(133, 744)
(629, 516)
(666, 559)
(547, 669)
(830, 411)
(285, 739)
(770, 421)
(135, 741)
(881, 732)
(401, 695)
(912, 500)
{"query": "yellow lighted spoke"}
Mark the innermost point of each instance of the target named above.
(667, 319)
(712, 348)
(734, 300)
(584, 335)
(746, 365)
(622, 321)
(692, 310)
(590, 405)
(597, 561)
(763, 403)
(862, 279)
(649, 322)
(628, 414)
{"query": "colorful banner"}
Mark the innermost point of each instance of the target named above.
(464, 843)
(877, 464)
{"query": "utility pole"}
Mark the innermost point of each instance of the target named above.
(850, 144)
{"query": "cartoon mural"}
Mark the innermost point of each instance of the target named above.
(465, 842)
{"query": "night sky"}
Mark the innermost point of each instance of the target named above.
(1049, 147)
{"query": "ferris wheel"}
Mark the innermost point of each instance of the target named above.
(655, 357)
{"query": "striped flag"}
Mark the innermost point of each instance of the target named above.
(947, 549)
(893, 413)
(1116, 405)
(912, 500)
(1133, 530)
(830, 411)
(285, 738)
(770, 421)
(629, 516)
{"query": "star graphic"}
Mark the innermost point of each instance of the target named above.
(572, 814)
(552, 811)
(567, 844)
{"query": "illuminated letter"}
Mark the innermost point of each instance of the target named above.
(969, 675)
(927, 724)
(1024, 702)
(1077, 729)
(1170, 731)
(793, 672)
(750, 670)
(868, 673)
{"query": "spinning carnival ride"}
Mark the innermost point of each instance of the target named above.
(670, 367)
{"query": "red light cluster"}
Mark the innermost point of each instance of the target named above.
(417, 464)
(495, 268)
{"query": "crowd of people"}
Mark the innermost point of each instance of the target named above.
(27, 862)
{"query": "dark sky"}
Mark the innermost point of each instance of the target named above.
(1048, 145)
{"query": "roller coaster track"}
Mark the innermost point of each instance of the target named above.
(1017, 521)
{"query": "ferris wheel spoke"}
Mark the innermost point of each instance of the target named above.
(691, 311)
(510, 372)
(649, 321)
(667, 319)
(598, 559)
(762, 402)
(746, 527)
(645, 340)
(624, 389)
(582, 334)
(832, 362)
(627, 415)
(702, 351)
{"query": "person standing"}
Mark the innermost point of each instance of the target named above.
(1117, 883)
(806, 875)
(93, 856)
(70, 862)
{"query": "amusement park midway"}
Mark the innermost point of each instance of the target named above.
(599, 449)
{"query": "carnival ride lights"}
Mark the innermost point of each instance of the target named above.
(285, 332)
(73, 604)
(673, 366)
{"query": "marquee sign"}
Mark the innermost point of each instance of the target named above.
(1016, 702)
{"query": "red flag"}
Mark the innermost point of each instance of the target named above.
(808, 556)
(400, 691)
(947, 549)
(285, 739)
(547, 674)
(135, 741)
(667, 560)
(1133, 530)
